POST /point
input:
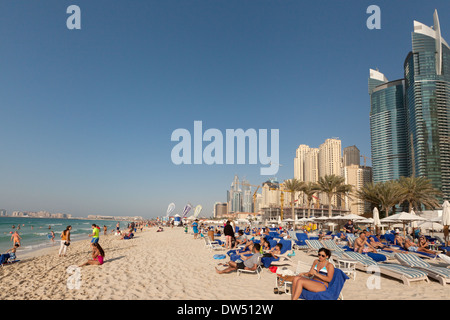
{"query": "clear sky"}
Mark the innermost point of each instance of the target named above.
(87, 115)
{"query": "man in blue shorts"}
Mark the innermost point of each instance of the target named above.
(95, 233)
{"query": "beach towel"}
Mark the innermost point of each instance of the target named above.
(333, 291)
(377, 257)
(267, 261)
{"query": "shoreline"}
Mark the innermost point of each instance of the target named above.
(170, 265)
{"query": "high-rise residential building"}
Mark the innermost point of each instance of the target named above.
(311, 165)
(415, 111)
(330, 157)
(299, 162)
(3, 213)
(351, 156)
(357, 176)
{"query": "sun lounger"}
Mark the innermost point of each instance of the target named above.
(397, 271)
(313, 245)
(346, 264)
(331, 245)
(283, 257)
(334, 290)
(445, 258)
(212, 245)
(258, 269)
(439, 273)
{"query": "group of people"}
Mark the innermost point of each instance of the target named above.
(98, 254)
(366, 242)
(316, 279)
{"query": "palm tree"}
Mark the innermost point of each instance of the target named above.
(309, 189)
(293, 185)
(333, 185)
(383, 195)
(417, 191)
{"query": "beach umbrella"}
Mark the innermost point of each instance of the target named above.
(405, 218)
(376, 217)
(446, 213)
(431, 225)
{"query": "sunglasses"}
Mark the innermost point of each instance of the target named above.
(321, 255)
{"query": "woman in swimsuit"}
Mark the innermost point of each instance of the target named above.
(317, 279)
(97, 255)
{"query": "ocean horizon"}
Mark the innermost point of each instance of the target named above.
(35, 231)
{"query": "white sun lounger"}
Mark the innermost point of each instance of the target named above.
(439, 273)
(397, 271)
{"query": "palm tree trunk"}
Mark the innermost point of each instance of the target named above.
(329, 206)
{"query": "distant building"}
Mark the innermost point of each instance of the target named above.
(357, 176)
(220, 209)
(3, 213)
(351, 156)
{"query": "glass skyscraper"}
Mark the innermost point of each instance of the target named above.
(410, 117)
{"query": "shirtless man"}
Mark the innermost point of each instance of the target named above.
(361, 245)
(15, 238)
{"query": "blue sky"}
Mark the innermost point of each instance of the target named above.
(87, 115)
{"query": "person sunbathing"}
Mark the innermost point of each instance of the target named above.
(241, 239)
(127, 236)
(318, 277)
(362, 245)
(421, 247)
(248, 263)
(274, 252)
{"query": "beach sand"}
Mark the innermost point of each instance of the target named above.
(169, 265)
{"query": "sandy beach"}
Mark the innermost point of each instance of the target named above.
(169, 265)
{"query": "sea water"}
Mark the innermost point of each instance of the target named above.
(35, 231)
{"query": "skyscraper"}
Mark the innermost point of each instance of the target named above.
(415, 112)
(387, 128)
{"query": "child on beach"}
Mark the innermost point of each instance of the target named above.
(10, 254)
(98, 255)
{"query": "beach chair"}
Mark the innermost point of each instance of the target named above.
(258, 269)
(301, 268)
(313, 245)
(445, 258)
(397, 271)
(212, 245)
(347, 265)
(439, 273)
(300, 242)
(283, 257)
(331, 245)
(334, 290)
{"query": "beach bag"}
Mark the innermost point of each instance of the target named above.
(66, 243)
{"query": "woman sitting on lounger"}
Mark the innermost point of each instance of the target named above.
(317, 279)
